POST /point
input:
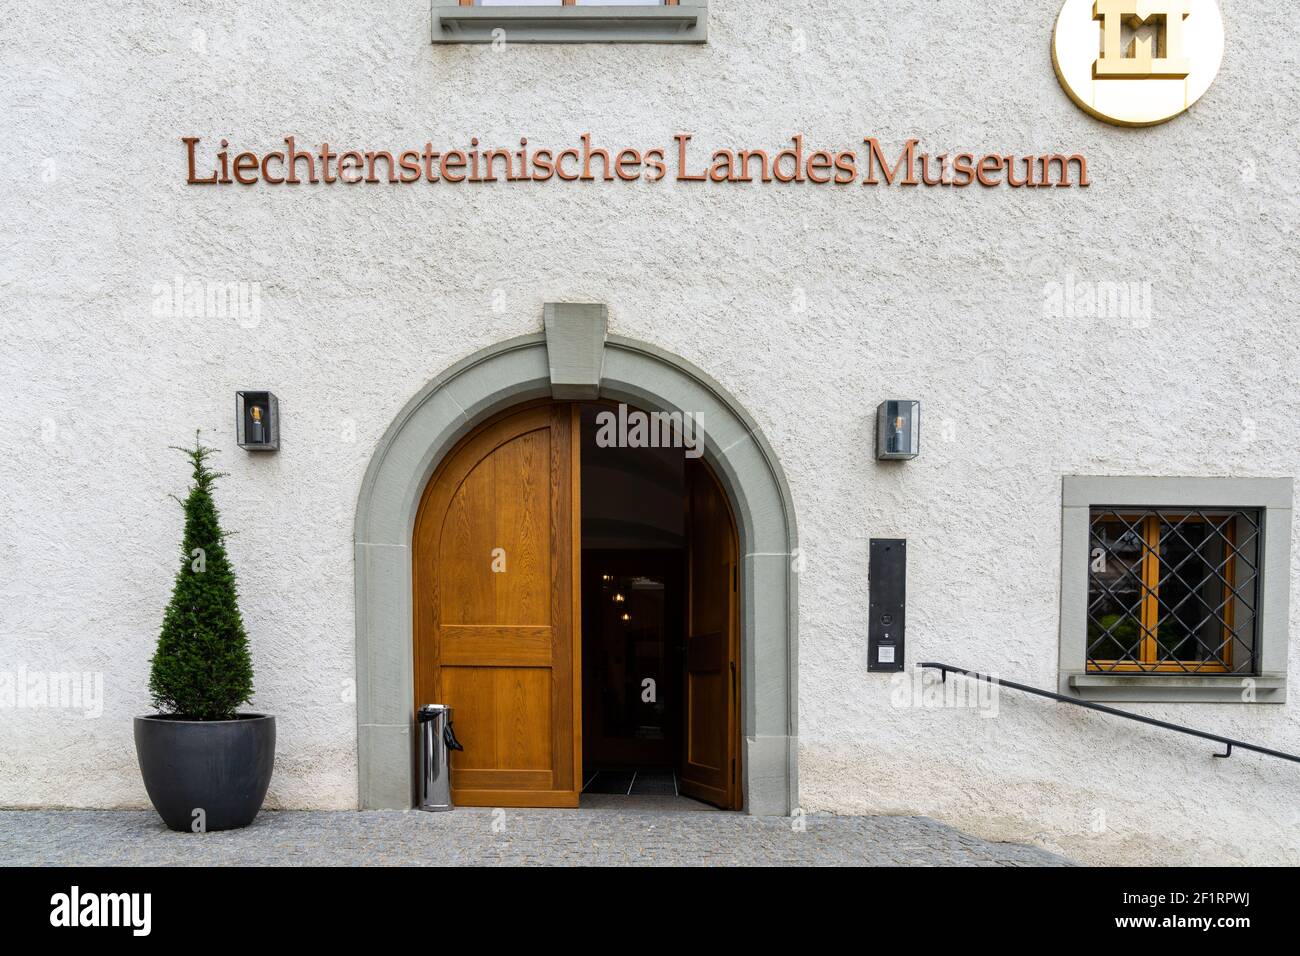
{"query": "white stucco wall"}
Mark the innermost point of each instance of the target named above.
(367, 292)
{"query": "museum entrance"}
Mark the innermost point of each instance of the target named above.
(576, 604)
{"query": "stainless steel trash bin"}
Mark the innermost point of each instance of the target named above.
(437, 741)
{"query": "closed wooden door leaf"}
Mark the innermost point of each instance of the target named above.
(495, 565)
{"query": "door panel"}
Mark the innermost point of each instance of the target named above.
(496, 614)
(709, 762)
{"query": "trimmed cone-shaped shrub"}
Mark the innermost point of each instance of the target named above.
(201, 669)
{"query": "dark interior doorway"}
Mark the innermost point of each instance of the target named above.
(631, 669)
(660, 634)
(634, 614)
(633, 579)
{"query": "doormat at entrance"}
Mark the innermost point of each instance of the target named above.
(655, 783)
(610, 781)
(634, 783)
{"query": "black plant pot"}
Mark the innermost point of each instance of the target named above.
(221, 767)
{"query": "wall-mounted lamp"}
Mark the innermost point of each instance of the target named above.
(257, 421)
(898, 429)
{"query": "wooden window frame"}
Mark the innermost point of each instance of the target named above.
(1264, 683)
(1149, 617)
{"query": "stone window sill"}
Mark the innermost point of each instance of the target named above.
(685, 23)
(1187, 688)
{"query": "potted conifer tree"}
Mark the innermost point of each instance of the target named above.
(205, 765)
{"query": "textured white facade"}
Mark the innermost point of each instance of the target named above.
(810, 303)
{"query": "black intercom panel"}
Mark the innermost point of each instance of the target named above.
(887, 584)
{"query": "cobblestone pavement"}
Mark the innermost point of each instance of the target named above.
(598, 836)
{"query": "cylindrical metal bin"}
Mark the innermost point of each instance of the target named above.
(437, 741)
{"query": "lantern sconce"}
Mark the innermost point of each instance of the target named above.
(257, 421)
(898, 430)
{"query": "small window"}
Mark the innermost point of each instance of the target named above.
(568, 3)
(1172, 591)
(1175, 589)
(570, 21)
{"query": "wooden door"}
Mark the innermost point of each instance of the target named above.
(710, 769)
(496, 608)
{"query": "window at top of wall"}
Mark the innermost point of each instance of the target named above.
(568, 3)
(570, 21)
(1172, 591)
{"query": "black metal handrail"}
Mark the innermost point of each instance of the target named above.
(946, 669)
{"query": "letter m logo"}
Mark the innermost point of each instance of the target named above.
(1141, 39)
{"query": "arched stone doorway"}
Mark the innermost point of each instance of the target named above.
(574, 358)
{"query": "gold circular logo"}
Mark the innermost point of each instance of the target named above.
(1137, 62)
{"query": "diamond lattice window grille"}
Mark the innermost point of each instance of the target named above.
(1172, 590)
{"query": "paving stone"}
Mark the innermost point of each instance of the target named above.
(482, 836)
